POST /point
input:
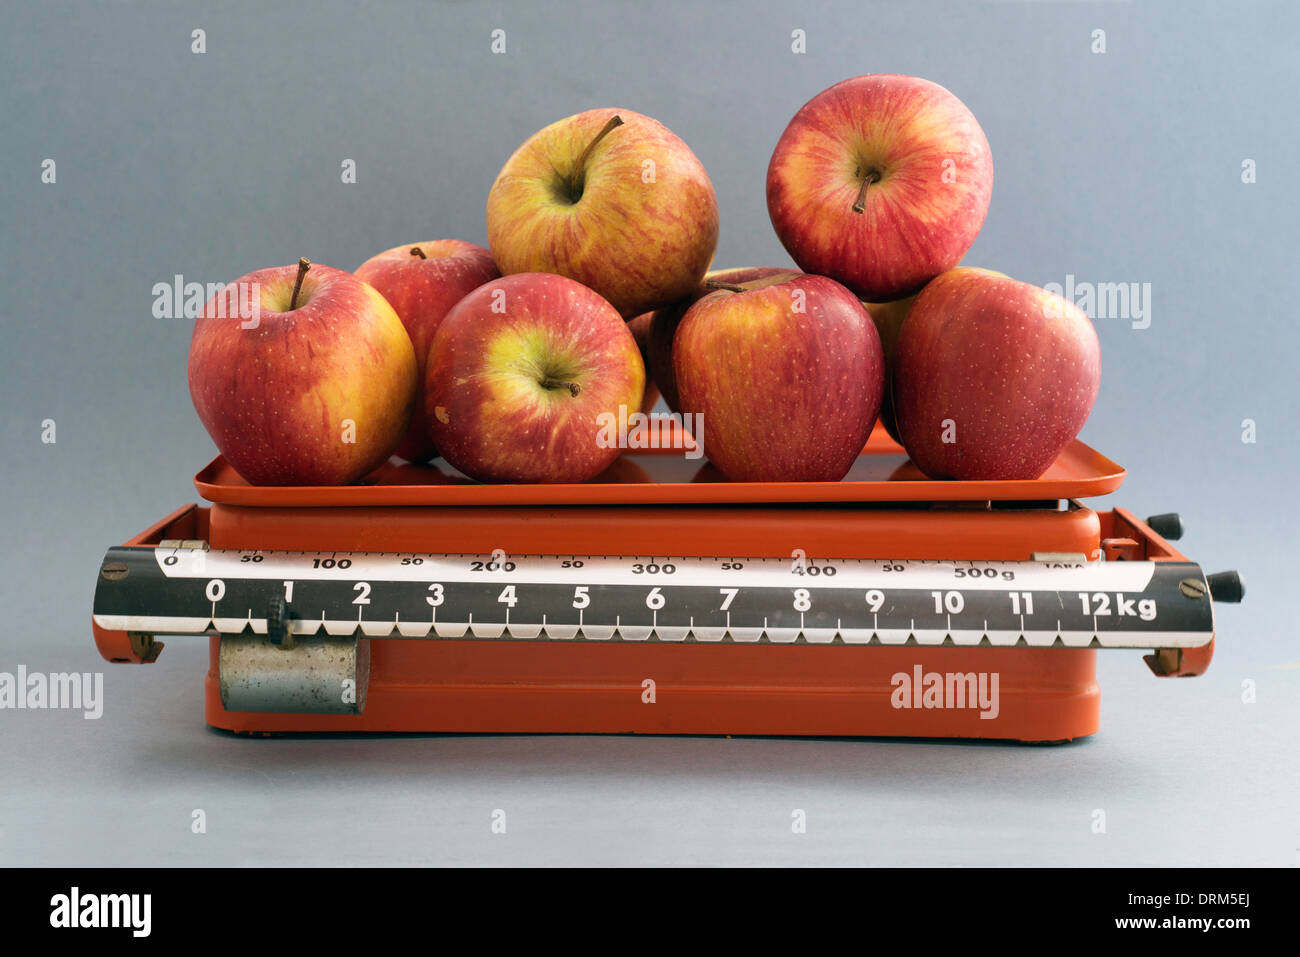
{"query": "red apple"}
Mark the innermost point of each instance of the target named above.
(612, 199)
(787, 374)
(315, 387)
(880, 182)
(888, 317)
(422, 281)
(994, 377)
(523, 372)
(640, 329)
(663, 325)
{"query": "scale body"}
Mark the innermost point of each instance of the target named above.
(667, 614)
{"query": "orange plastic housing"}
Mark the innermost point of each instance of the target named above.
(665, 476)
(692, 688)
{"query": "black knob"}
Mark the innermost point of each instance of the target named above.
(1168, 525)
(1226, 586)
(277, 621)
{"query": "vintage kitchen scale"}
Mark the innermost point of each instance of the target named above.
(661, 598)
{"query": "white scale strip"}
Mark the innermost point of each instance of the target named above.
(670, 572)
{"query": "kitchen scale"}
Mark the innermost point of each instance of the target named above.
(662, 599)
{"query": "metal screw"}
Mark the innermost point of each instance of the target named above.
(1192, 587)
(113, 571)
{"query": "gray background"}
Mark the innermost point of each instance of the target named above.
(1116, 167)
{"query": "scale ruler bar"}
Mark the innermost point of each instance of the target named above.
(674, 600)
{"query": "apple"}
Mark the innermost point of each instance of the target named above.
(640, 329)
(314, 386)
(994, 378)
(612, 199)
(888, 317)
(787, 373)
(880, 182)
(663, 324)
(522, 373)
(422, 281)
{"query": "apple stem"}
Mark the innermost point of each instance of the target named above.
(861, 204)
(579, 168)
(573, 387)
(417, 251)
(303, 265)
(715, 284)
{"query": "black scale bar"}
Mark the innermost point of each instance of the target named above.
(1163, 614)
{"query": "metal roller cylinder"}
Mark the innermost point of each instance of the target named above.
(317, 675)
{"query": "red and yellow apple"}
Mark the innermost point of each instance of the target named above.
(663, 324)
(880, 182)
(520, 375)
(888, 317)
(612, 199)
(640, 329)
(787, 373)
(994, 377)
(316, 387)
(422, 281)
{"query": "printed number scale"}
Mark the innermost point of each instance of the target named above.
(419, 603)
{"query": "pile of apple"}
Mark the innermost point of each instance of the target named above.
(595, 293)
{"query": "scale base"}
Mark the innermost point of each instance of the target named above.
(513, 686)
(505, 687)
